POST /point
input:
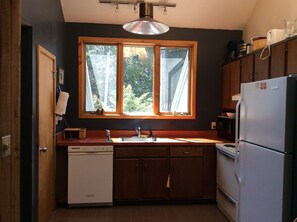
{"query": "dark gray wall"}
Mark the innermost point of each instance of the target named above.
(42, 23)
(212, 49)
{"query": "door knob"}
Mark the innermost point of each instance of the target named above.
(42, 149)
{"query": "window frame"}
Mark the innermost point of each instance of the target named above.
(120, 42)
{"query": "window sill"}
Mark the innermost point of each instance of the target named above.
(125, 116)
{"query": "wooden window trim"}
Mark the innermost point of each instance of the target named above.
(192, 45)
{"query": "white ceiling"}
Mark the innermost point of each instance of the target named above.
(208, 14)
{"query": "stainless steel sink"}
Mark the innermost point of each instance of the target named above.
(138, 139)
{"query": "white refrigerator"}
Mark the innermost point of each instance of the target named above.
(265, 148)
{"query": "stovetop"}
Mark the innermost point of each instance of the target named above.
(228, 148)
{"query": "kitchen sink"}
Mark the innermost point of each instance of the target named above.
(138, 139)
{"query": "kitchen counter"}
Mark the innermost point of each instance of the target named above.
(191, 151)
(187, 138)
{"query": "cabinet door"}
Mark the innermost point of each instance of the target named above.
(186, 178)
(231, 83)
(292, 57)
(209, 172)
(247, 69)
(226, 85)
(154, 177)
(261, 68)
(127, 184)
(234, 82)
(278, 55)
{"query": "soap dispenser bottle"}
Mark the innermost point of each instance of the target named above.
(107, 135)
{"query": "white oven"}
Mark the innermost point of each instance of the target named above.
(227, 186)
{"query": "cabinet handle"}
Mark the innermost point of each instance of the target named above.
(186, 153)
(168, 181)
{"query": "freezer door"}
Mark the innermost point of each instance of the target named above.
(267, 113)
(264, 184)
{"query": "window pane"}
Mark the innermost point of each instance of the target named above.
(174, 80)
(101, 77)
(138, 80)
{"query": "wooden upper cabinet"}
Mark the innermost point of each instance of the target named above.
(278, 58)
(247, 68)
(226, 85)
(234, 81)
(231, 83)
(261, 69)
(292, 57)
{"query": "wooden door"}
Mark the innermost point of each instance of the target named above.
(247, 69)
(186, 178)
(292, 57)
(209, 172)
(46, 66)
(278, 55)
(127, 185)
(10, 20)
(226, 85)
(154, 177)
(261, 71)
(234, 82)
(231, 83)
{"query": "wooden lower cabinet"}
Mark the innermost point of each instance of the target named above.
(154, 173)
(209, 172)
(140, 174)
(171, 173)
(186, 178)
(154, 178)
(128, 183)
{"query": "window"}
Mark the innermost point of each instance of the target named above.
(130, 78)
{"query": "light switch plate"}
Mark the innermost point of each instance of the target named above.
(213, 125)
(6, 146)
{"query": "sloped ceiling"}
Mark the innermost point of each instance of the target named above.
(207, 14)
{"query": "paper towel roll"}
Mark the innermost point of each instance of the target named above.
(62, 103)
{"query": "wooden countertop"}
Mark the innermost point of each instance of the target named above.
(184, 138)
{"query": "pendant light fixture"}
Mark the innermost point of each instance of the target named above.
(146, 25)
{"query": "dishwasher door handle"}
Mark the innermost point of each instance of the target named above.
(89, 153)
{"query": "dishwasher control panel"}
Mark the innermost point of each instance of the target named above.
(86, 149)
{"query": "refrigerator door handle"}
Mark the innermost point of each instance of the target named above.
(237, 121)
(236, 165)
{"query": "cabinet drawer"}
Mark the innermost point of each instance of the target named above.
(226, 204)
(225, 174)
(186, 151)
(141, 152)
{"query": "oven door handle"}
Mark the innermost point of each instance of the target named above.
(225, 154)
(227, 196)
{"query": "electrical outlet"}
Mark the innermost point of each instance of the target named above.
(213, 125)
(6, 146)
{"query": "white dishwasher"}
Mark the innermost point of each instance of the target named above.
(90, 173)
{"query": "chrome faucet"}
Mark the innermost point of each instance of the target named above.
(138, 130)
